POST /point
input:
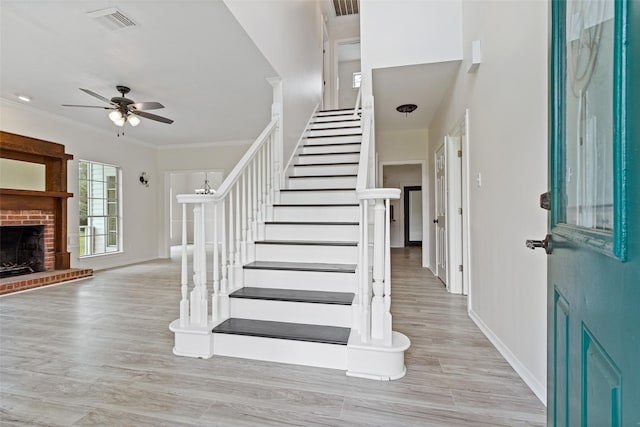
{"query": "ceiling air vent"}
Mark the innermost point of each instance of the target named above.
(346, 7)
(112, 19)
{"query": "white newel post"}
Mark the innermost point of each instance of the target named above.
(377, 304)
(192, 329)
(237, 266)
(380, 314)
(215, 297)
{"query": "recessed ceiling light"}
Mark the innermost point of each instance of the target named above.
(24, 98)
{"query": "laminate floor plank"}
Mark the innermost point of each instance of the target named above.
(99, 352)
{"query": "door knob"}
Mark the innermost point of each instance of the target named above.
(546, 244)
(435, 221)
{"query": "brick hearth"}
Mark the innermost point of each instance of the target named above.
(36, 280)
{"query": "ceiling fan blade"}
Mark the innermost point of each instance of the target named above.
(146, 106)
(92, 93)
(152, 117)
(87, 106)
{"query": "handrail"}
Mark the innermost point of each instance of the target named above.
(363, 162)
(233, 176)
(358, 102)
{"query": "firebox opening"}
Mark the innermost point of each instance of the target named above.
(21, 249)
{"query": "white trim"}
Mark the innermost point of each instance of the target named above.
(527, 376)
(206, 144)
(425, 201)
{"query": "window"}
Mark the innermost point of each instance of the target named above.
(99, 208)
(357, 78)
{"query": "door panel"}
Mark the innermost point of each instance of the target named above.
(594, 266)
(441, 214)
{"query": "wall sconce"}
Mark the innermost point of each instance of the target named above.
(144, 180)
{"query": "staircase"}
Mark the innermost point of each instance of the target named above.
(293, 298)
(295, 306)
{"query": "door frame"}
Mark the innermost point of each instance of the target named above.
(425, 201)
(334, 67)
(406, 220)
(457, 182)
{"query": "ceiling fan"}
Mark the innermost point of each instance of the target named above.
(125, 109)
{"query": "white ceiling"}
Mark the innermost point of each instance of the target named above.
(424, 85)
(191, 56)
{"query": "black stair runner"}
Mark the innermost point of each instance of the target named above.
(294, 295)
(301, 266)
(284, 330)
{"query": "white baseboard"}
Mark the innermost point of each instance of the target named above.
(539, 389)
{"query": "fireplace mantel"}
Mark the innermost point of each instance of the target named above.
(54, 198)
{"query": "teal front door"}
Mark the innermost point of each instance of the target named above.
(594, 260)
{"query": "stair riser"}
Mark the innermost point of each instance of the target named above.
(324, 182)
(319, 213)
(333, 140)
(339, 131)
(311, 197)
(307, 253)
(294, 312)
(334, 233)
(325, 170)
(342, 113)
(283, 351)
(329, 154)
(335, 124)
(301, 280)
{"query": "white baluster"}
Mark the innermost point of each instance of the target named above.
(244, 216)
(232, 243)
(203, 310)
(215, 298)
(224, 284)
(268, 152)
(237, 274)
(260, 194)
(265, 181)
(184, 302)
(365, 333)
(254, 198)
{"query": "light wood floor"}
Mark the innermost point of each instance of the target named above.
(98, 352)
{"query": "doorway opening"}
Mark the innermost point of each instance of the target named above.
(408, 213)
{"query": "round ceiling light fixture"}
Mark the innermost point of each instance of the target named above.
(406, 108)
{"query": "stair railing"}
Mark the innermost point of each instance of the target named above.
(240, 207)
(373, 297)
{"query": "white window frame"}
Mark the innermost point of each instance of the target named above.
(107, 209)
(356, 80)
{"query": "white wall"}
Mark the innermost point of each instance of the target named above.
(289, 35)
(85, 143)
(346, 93)
(507, 100)
(407, 32)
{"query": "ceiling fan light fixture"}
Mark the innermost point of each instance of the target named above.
(133, 120)
(120, 122)
(115, 115)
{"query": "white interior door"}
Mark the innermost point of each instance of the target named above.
(441, 213)
(454, 219)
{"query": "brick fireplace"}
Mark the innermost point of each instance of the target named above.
(48, 208)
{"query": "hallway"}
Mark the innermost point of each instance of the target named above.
(98, 352)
